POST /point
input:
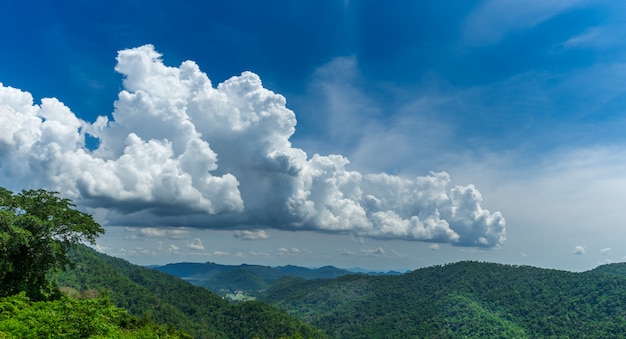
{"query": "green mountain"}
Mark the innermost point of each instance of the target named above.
(223, 279)
(170, 300)
(466, 299)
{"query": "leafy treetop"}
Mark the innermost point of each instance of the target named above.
(37, 228)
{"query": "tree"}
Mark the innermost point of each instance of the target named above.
(37, 228)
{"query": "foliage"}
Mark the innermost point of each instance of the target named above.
(37, 228)
(467, 299)
(73, 318)
(167, 299)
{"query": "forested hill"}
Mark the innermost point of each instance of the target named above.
(248, 278)
(170, 300)
(466, 299)
(618, 269)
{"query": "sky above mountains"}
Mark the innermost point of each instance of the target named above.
(385, 135)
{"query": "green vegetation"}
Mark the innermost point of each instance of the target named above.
(466, 299)
(73, 318)
(37, 228)
(171, 300)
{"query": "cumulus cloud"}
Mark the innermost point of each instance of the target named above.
(579, 250)
(251, 234)
(284, 251)
(154, 232)
(179, 151)
(196, 244)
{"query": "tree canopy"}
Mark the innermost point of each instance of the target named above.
(37, 228)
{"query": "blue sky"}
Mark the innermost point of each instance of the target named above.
(386, 135)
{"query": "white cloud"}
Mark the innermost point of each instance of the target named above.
(163, 233)
(434, 247)
(379, 251)
(180, 152)
(605, 250)
(284, 251)
(251, 234)
(259, 254)
(196, 244)
(152, 232)
(579, 250)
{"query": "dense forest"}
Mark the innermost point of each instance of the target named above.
(170, 300)
(465, 299)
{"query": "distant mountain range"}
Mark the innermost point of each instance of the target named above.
(224, 279)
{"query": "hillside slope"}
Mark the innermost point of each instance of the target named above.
(457, 300)
(168, 299)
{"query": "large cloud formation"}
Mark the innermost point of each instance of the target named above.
(180, 152)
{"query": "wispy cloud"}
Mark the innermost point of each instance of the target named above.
(251, 234)
(495, 18)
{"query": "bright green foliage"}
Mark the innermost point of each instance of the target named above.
(36, 230)
(72, 318)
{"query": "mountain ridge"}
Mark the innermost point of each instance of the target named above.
(225, 279)
(462, 299)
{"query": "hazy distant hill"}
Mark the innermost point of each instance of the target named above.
(248, 278)
(168, 299)
(466, 299)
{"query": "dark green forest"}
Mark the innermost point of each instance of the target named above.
(170, 300)
(465, 299)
